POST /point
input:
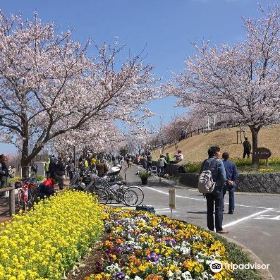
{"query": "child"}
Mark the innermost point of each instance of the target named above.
(46, 188)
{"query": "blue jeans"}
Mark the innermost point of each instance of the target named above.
(215, 200)
(230, 189)
(161, 170)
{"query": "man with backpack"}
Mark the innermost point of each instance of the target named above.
(211, 181)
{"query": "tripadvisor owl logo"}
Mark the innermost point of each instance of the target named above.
(216, 266)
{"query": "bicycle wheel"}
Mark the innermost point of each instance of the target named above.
(32, 198)
(21, 203)
(139, 192)
(102, 195)
(130, 198)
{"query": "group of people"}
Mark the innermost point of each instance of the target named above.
(55, 172)
(164, 160)
(94, 163)
(224, 174)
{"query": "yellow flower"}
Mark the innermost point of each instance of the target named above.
(47, 233)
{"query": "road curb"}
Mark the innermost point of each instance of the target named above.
(264, 273)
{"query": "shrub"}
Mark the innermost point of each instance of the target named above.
(242, 162)
(47, 241)
(193, 167)
(144, 174)
(243, 165)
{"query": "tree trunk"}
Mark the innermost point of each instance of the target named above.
(255, 133)
(24, 159)
(25, 149)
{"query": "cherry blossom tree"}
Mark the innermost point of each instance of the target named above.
(49, 85)
(98, 136)
(240, 82)
(137, 140)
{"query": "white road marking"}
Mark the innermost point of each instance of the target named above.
(247, 218)
(268, 217)
(202, 199)
(166, 193)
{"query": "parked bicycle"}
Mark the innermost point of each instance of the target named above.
(27, 193)
(108, 189)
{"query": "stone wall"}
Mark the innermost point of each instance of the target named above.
(261, 183)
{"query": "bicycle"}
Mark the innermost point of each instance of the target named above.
(107, 189)
(119, 192)
(27, 193)
(86, 182)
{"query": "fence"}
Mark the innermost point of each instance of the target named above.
(199, 131)
(12, 202)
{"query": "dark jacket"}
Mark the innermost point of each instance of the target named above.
(3, 170)
(217, 169)
(247, 146)
(231, 170)
(60, 168)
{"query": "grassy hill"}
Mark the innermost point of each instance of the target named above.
(195, 148)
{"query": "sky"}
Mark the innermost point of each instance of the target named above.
(164, 29)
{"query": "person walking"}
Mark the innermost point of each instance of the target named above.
(215, 198)
(52, 167)
(128, 160)
(71, 169)
(230, 185)
(4, 172)
(60, 173)
(34, 169)
(246, 148)
(149, 161)
(144, 161)
(47, 167)
(161, 165)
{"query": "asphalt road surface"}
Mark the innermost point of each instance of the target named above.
(255, 222)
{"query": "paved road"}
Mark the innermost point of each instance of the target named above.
(255, 223)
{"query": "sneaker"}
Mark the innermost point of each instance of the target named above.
(222, 231)
(230, 212)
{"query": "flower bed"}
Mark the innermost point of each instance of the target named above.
(47, 241)
(140, 245)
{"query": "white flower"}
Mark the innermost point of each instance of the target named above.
(113, 268)
(187, 275)
(170, 275)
